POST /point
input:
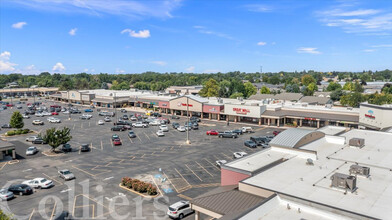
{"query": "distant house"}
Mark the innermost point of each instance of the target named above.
(322, 94)
(12, 85)
(314, 100)
(286, 96)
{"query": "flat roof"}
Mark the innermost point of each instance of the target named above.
(312, 182)
(4, 145)
(332, 130)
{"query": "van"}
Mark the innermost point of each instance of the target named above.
(247, 130)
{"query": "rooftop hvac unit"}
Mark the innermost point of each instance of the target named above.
(357, 142)
(343, 181)
(359, 170)
(304, 104)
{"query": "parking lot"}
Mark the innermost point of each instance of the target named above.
(190, 170)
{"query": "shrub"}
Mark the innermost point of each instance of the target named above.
(139, 186)
(18, 131)
(10, 133)
(151, 190)
(143, 187)
(25, 131)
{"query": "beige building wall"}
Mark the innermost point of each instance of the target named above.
(379, 117)
(180, 104)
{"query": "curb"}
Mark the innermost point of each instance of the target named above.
(140, 194)
(56, 155)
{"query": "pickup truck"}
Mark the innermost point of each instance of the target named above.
(227, 134)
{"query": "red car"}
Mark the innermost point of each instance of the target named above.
(212, 132)
(9, 105)
(117, 141)
(276, 132)
(55, 113)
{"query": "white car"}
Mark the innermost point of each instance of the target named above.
(107, 119)
(87, 116)
(38, 122)
(39, 114)
(39, 183)
(31, 138)
(239, 154)
(181, 129)
(46, 113)
(66, 112)
(25, 116)
(179, 210)
(155, 122)
(31, 150)
(101, 122)
(219, 163)
(54, 120)
(133, 118)
(160, 133)
(164, 128)
(139, 125)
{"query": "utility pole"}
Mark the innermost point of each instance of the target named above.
(187, 116)
(115, 107)
(11, 96)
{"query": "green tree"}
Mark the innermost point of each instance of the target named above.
(265, 90)
(55, 137)
(274, 80)
(352, 99)
(236, 95)
(312, 87)
(348, 86)
(224, 89)
(250, 89)
(307, 79)
(210, 89)
(5, 216)
(335, 95)
(357, 87)
(16, 120)
(332, 86)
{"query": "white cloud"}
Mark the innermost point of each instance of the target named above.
(198, 27)
(19, 25)
(85, 70)
(258, 8)
(204, 30)
(354, 20)
(383, 45)
(190, 69)
(139, 34)
(261, 43)
(72, 32)
(29, 70)
(211, 71)
(311, 50)
(369, 50)
(119, 71)
(5, 65)
(58, 67)
(160, 63)
(132, 9)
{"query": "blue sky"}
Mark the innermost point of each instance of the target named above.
(93, 36)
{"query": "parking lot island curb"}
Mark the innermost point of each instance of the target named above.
(49, 154)
(140, 194)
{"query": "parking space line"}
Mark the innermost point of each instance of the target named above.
(139, 138)
(184, 197)
(170, 181)
(54, 208)
(193, 172)
(171, 148)
(83, 171)
(130, 139)
(31, 215)
(147, 136)
(89, 124)
(226, 156)
(101, 145)
(81, 125)
(111, 142)
(204, 168)
(5, 163)
(163, 149)
(211, 164)
(73, 127)
(53, 179)
(182, 177)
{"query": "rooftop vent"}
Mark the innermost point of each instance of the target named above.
(309, 162)
(357, 142)
(360, 170)
(304, 104)
(343, 181)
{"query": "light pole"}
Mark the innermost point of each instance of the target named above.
(187, 116)
(115, 107)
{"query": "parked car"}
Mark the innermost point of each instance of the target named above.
(84, 117)
(164, 128)
(250, 144)
(84, 147)
(31, 150)
(237, 155)
(175, 125)
(131, 134)
(88, 110)
(125, 117)
(6, 126)
(66, 148)
(247, 130)
(118, 128)
(54, 120)
(193, 118)
(181, 129)
(38, 141)
(179, 210)
(237, 131)
(19, 107)
(133, 118)
(39, 183)
(139, 125)
(55, 113)
(107, 119)
(6, 195)
(276, 132)
(195, 127)
(20, 189)
(115, 136)
(117, 141)
(123, 110)
(25, 116)
(219, 163)
(101, 122)
(155, 123)
(212, 132)
(227, 134)
(38, 122)
(259, 140)
(31, 138)
(175, 117)
(66, 174)
(160, 133)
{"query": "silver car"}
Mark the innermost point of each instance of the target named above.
(31, 150)
(66, 174)
(6, 195)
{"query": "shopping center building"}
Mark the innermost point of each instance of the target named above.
(257, 112)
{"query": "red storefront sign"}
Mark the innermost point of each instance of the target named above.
(311, 119)
(370, 116)
(242, 111)
(184, 104)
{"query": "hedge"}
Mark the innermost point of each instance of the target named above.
(17, 132)
(139, 186)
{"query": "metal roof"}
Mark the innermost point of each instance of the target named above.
(290, 137)
(227, 200)
(326, 116)
(318, 100)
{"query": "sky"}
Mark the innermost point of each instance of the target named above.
(198, 36)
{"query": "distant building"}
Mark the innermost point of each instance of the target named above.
(182, 90)
(315, 100)
(377, 117)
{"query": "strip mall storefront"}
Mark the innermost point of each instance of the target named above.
(212, 112)
(244, 113)
(179, 106)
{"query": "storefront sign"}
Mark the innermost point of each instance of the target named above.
(370, 114)
(242, 111)
(184, 104)
(310, 119)
(164, 104)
